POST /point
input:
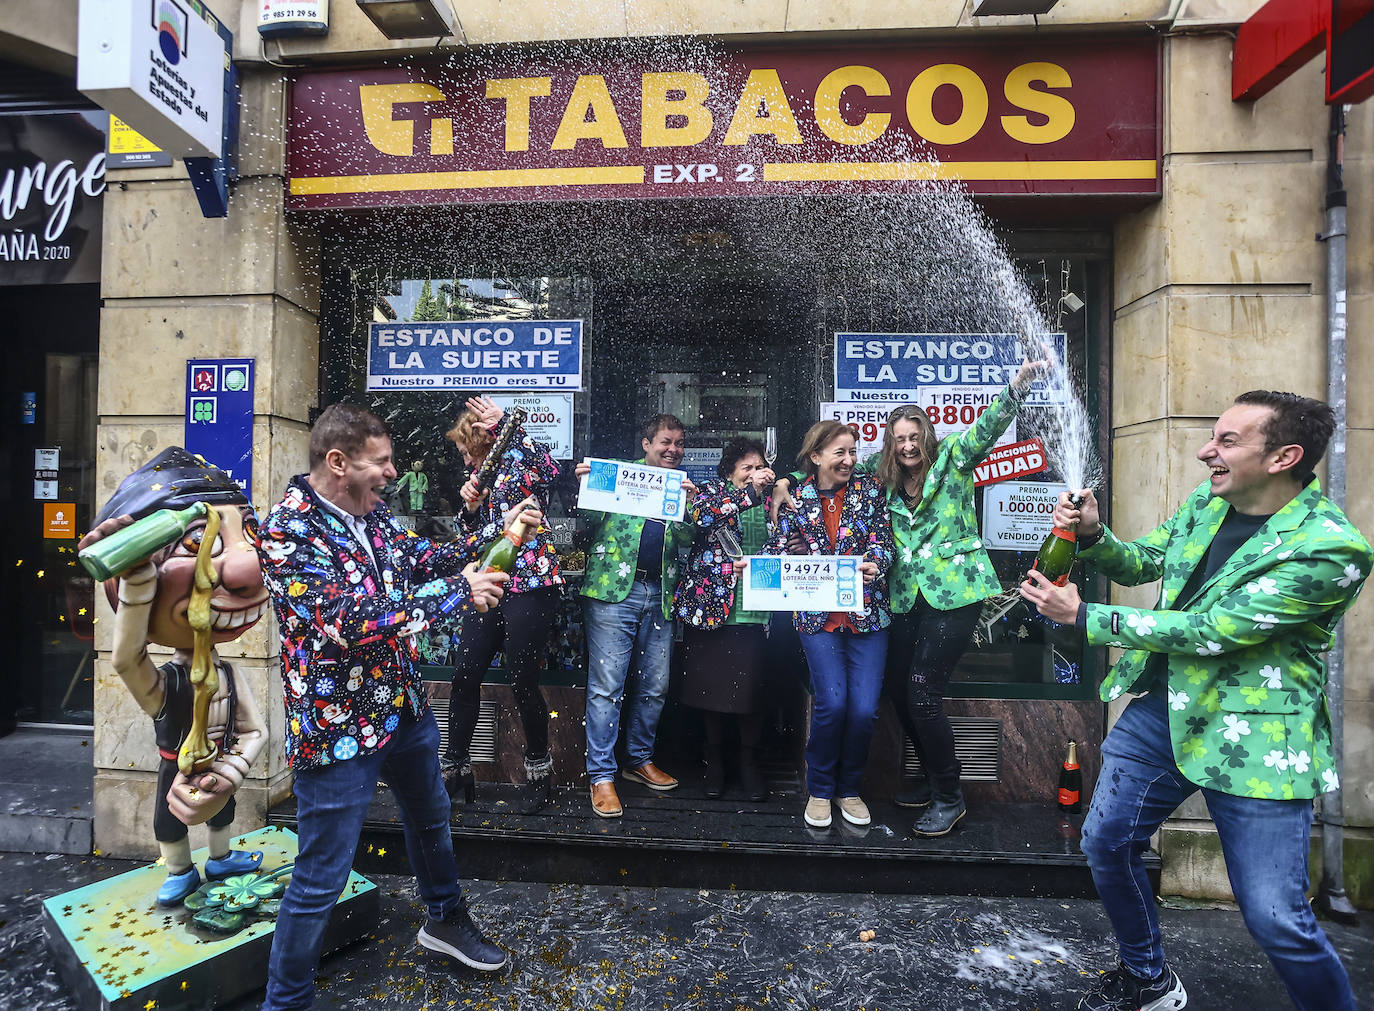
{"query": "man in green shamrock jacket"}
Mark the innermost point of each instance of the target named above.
(632, 571)
(1257, 567)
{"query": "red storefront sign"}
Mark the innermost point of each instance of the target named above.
(1007, 462)
(1007, 119)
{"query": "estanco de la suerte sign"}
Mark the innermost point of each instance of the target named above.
(159, 65)
(1007, 119)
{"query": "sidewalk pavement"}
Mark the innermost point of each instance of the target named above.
(600, 948)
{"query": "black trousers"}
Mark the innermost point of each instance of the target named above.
(167, 828)
(521, 625)
(923, 647)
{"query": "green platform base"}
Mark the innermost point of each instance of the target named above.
(117, 949)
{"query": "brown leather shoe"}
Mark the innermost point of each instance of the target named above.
(651, 776)
(605, 803)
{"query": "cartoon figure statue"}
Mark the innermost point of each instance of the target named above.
(414, 486)
(203, 588)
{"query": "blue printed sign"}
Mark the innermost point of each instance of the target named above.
(219, 415)
(476, 354)
(909, 368)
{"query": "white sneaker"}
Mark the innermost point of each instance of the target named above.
(855, 811)
(817, 812)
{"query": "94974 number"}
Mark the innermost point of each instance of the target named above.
(807, 569)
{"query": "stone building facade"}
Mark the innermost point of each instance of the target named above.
(1217, 287)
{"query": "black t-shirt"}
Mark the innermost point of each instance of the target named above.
(1235, 530)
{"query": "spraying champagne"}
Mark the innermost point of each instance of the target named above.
(505, 438)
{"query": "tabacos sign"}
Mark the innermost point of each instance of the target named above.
(1079, 117)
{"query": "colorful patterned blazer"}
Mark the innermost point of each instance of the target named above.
(864, 530)
(528, 468)
(705, 596)
(348, 627)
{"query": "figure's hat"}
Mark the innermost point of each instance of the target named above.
(174, 479)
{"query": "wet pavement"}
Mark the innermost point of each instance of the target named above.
(608, 948)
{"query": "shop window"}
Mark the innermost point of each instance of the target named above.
(729, 344)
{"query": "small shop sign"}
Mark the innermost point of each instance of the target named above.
(219, 415)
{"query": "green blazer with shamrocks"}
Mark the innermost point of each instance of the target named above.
(614, 555)
(939, 552)
(1247, 711)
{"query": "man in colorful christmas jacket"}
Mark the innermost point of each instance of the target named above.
(352, 589)
(627, 602)
(1257, 568)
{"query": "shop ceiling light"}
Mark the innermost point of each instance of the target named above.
(410, 19)
(990, 8)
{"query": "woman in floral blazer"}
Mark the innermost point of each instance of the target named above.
(723, 644)
(840, 511)
(521, 625)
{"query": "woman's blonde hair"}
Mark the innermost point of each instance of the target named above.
(817, 437)
(467, 433)
(890, 470)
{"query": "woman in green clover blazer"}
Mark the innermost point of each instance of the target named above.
(940, 575)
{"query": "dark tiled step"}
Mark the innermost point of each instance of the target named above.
(685, 839)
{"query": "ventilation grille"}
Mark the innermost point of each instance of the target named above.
(483, 739)
(977, 745)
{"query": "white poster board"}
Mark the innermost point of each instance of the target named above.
(635, 489)
(804, 583)
(549, 418)
(1018, 515)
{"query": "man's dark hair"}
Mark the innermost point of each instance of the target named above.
(659, 422)
(1295, 420)
(345, 427)
(736, 450)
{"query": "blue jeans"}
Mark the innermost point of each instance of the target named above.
(331, 803)
(617, 634)
(1265, 843)
(847, 678)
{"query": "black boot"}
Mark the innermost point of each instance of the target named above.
(914, 791)
(538, 778)
(946, 808)
(713, 751)
(751, 777)
(458, 779)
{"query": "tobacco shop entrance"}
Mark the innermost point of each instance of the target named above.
(714, 229)
(724, 314)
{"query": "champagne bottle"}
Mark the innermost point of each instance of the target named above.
(1058, 551)
(1071, 782)
(505, 437)
(111, 555)
(500, 554)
